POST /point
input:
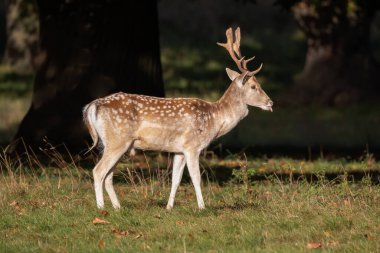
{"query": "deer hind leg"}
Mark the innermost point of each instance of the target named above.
(108, 183)
(178, 166)
(192, 160)
(103, 169)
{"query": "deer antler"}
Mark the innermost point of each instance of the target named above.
(233, 48)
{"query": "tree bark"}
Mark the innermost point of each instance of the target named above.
(3, 7)
(22, 35)
(89, 49)
(339, 66)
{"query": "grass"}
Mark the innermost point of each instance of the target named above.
(50, 209)
(259, 205)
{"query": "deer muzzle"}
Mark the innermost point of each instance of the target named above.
(268, 106)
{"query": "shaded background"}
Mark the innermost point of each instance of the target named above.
(324, 88)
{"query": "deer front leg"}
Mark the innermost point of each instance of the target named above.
(178, 166)
(192, 160)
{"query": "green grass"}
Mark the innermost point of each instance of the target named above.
(50, 209)
(259, 205)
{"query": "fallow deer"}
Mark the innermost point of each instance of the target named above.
(182, 126)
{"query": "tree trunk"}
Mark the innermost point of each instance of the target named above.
(22, 35)
(339, 67)
(89, 49)
(3, 7)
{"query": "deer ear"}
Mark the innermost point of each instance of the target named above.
(232, 74)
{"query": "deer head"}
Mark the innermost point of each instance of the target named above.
(246, 82)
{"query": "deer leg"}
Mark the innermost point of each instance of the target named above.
(192, 160)
(109, 159)
(178, 166)
(108, 183)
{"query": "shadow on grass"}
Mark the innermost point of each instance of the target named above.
(223, 175)
(237, 206)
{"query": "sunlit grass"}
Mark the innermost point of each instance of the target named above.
(52, 209)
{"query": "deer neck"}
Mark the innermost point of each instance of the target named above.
(230, 109)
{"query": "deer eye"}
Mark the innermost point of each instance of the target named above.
(253, 87)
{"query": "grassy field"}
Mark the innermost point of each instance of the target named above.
(50, 209)
(254, 204)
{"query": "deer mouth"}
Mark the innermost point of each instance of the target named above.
(266, 108)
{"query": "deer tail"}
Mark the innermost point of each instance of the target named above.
(89, 117)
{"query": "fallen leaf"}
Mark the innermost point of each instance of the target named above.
(157, 216)
(104, 213)
(118, 235)
(368, 236)
(313, 245)
(101, 244)
(138, 236)
(17, 207)
(179, 222)
(97, 221)
(124, 232)
(14, 204)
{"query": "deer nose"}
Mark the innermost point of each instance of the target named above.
(270, 102)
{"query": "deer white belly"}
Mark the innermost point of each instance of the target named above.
(153, 136)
